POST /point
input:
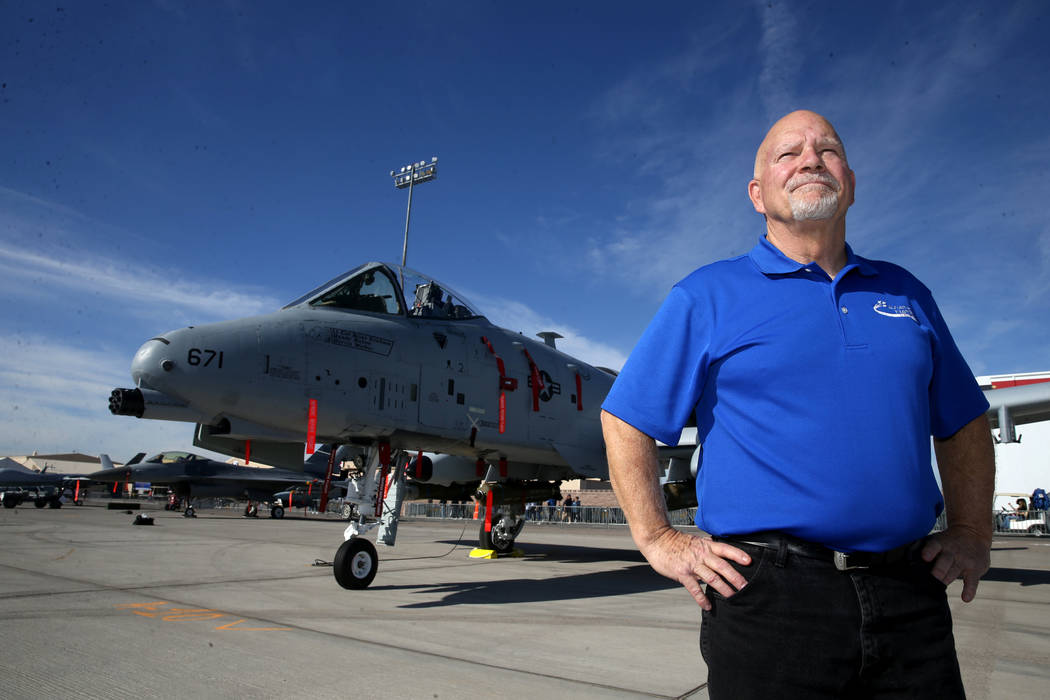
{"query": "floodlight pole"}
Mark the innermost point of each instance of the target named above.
(408, 217)
(408, 176)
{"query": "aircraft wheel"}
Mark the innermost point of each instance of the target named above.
(190, 512)
(347, 511)
(251, 511)
(1037, 530)
(498, 540)
(10, 501)
(277, 512)
(355, 563)
(40, 503)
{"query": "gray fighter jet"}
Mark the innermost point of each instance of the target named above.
(392, 361)
(19, 484)
(193, 477)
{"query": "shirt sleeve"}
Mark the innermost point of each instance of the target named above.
(660, 384)
(955, 397)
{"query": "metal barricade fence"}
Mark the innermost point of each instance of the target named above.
(1006, 523)
(593, 515)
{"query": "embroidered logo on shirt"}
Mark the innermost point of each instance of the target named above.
(895, 311)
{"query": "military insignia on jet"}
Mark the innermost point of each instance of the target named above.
(441, 339)
(550, 387)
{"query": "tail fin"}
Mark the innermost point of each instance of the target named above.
(135, 460)
(317, 463)
(107, 463)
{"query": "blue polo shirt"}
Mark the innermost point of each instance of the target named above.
(814, 398)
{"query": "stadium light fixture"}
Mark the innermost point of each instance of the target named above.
(409, 176)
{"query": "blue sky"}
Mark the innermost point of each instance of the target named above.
(171, 163)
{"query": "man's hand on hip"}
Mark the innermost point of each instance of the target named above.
(958, 552)
(689, 560)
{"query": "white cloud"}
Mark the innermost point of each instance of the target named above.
(781, 58)
(53, 398)
(54, 389)
(30, 273)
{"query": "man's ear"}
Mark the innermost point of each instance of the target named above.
(754, 191)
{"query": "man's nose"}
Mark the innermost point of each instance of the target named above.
(810, 159)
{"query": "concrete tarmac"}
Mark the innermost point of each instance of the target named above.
(226, 606)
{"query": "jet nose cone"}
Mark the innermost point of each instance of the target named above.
(151, 363)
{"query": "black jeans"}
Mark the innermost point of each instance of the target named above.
(801, 628)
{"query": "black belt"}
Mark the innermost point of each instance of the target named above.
(843, 561)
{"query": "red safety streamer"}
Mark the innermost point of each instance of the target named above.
(505, 384)
(311, 427)
(537, 382)
(488, 511)
(76, 492)
(384, 461)
(503, 467)
(579, 392)
(477, 503)
(419, 464)
(247, 452)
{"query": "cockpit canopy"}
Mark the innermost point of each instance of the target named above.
(171, 458)
(378, 288)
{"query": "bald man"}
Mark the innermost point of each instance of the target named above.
(816, 378)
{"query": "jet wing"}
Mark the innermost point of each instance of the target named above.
(585, 462)
(17, 477)
(1029, 403)
(261, 478)
(279, 454)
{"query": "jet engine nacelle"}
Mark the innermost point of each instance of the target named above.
(447, 469)
(441, 469)
(518, 493)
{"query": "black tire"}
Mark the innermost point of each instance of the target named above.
(347, 511)
(10, 500)
(355, 564)
(1037, 530)
(493, 540)
(40, 502)
(277, 512)
(190, 512)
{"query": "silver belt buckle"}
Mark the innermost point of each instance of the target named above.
(842, 562)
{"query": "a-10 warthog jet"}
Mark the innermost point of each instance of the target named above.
(387, 359)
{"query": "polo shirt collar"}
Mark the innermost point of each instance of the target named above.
(771, 261)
